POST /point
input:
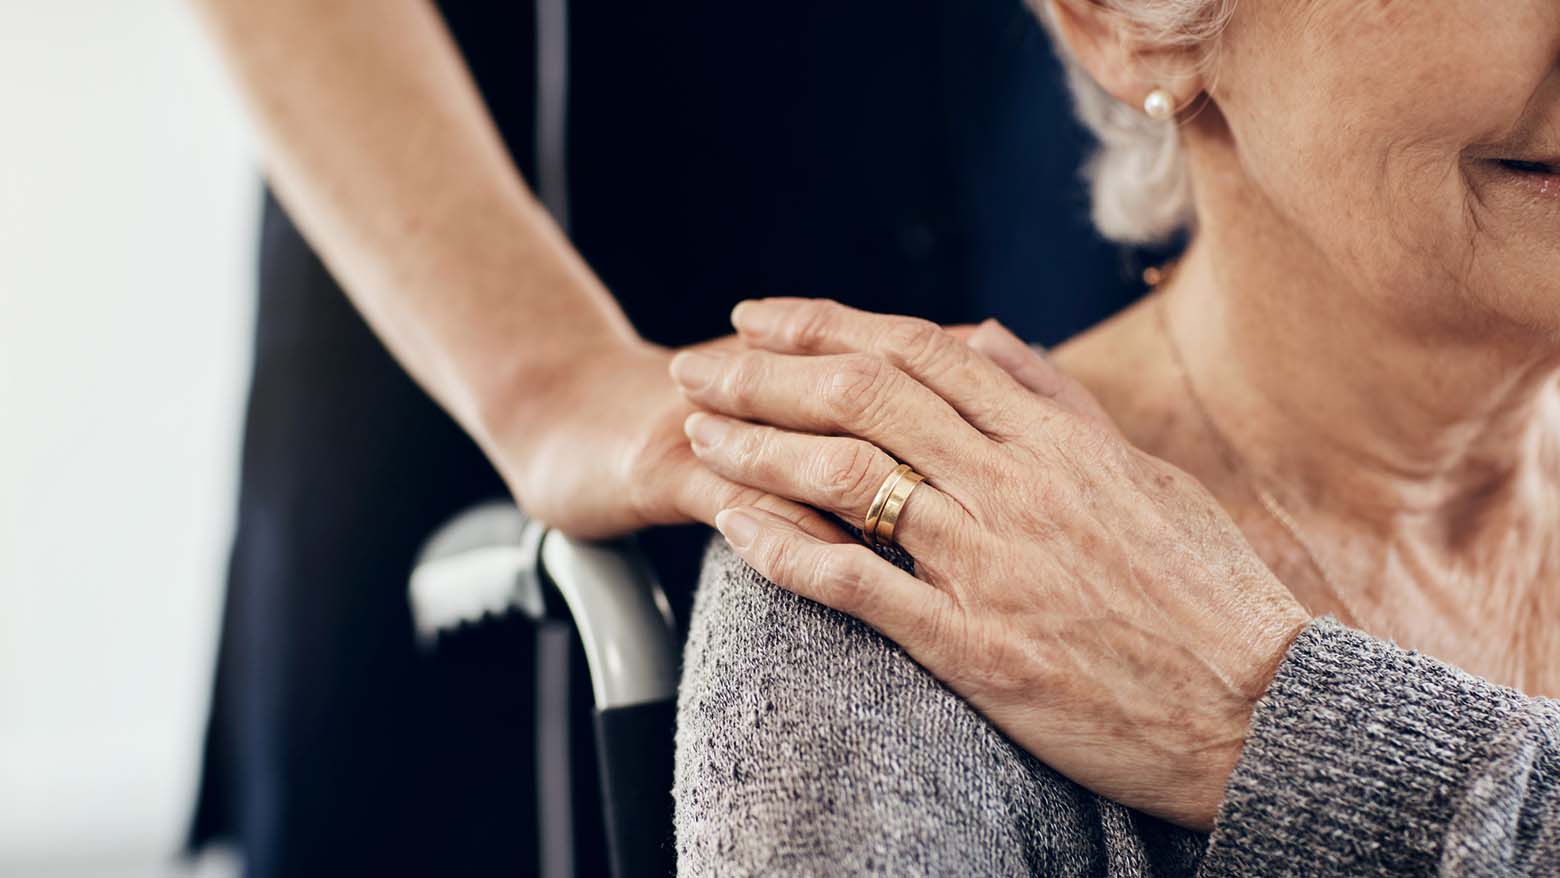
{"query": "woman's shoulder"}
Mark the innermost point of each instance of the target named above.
(808, 743)
(1127, 365)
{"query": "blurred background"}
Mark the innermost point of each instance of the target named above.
(128, 202)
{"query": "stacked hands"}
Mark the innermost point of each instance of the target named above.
(1061, 573)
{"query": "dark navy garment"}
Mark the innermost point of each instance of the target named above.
(911, 156)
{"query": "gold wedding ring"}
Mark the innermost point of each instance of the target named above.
(883, 514)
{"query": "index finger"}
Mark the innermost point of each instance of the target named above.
(847, 577)
(986, 396)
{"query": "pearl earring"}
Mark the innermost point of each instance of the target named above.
(1159, 105)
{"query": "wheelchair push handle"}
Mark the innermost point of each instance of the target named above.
(492, 561)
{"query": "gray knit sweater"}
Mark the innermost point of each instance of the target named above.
(809, 745)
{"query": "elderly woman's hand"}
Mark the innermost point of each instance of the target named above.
(1093, 602)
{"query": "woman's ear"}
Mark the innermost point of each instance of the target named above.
(1121, 59)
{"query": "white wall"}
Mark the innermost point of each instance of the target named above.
(128, 205)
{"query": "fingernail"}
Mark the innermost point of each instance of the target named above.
(705, 431)
(694, 370)
(754, 318)
(739, 528)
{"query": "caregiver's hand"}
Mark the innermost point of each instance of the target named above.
(1093, 602)
(612, 457)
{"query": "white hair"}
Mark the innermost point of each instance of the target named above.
(1138, 178)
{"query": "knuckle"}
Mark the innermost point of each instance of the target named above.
(1074, 435)
(855, 386)
(917, 342)
(778, 557)
(840, 575)
(1080, 440)
(1097, 445)
(743, 373)
(752, 448)
(847, 475)
(812, 324)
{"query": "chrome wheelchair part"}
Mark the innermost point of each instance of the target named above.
(491, 559)
(622, 616)
(484, 561)
(490, 562)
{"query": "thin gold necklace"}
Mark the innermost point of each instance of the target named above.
(1231, 457)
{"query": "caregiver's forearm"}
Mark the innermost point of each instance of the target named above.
(376, 139)
(1366, 759)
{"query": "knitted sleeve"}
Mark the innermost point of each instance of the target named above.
(1365, 759)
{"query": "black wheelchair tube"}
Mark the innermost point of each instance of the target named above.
(634, 745)
(492, 561)
(630, 643)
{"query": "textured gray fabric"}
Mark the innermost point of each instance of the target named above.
(1364, 759)
(809, 745)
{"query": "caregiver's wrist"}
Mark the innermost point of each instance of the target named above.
(519, 394)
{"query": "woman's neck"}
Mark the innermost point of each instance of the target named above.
(1422, 467)
(1406, 429)
(1415, 449)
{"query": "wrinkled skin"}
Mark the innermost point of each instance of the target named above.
(613, 458)
(1094, 602)
(1368, 308)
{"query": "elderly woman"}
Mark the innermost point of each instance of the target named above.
(1356, 355)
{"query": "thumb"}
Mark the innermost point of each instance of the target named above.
(1028, 366)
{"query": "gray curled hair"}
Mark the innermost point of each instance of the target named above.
(1138, 180)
